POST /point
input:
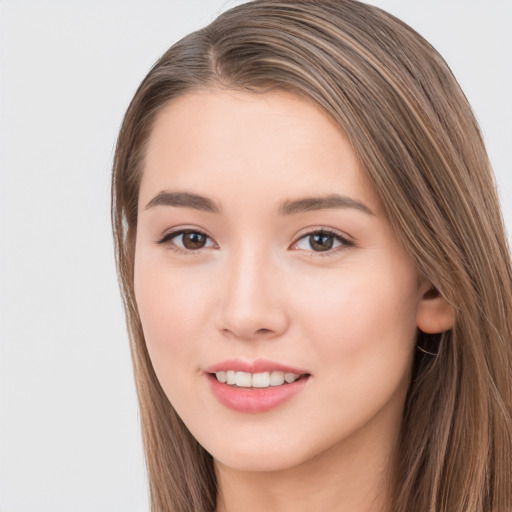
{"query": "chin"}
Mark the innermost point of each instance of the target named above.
(261, 456)
(258, 462)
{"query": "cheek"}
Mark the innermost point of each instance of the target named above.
(172, 307)
(362, 322)
(362, 335)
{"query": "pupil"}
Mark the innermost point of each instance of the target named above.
(193, 240)
(321, 242)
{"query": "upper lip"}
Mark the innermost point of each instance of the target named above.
(256, 366)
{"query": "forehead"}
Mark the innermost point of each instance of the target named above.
(263, 145)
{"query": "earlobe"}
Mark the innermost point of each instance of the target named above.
(434, 313)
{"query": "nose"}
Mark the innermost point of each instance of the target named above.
(252, 302)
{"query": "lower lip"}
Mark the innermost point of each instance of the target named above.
(254, 400)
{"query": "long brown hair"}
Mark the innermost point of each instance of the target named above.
(419, 144)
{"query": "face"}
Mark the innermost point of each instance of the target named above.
(264, 259)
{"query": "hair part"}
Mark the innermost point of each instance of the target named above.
(420, 146)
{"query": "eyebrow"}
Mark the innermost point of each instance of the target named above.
(185, 200)
(308, 204)
(290, 207)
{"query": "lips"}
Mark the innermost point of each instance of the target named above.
(257, 366)
(254, 387)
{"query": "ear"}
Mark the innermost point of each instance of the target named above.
(434, 314)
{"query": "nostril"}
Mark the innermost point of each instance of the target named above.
(263, 331)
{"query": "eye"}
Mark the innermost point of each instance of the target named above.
(321, 241)
(187, 240)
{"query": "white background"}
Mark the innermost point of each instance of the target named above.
(69, 433)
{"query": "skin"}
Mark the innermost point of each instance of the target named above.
(258, 289)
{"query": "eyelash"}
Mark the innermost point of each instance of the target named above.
(345, 243)
(167, 240)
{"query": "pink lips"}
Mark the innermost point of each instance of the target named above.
(254, 400)
(257, 366)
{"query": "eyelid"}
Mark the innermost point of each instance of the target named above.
(345, 240)
(166, 239)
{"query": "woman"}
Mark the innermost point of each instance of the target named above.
(315, 271)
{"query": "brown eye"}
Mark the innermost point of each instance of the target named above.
(193, 240)
(321, 241)
(187, 240)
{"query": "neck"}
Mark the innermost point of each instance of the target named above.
(346, 478)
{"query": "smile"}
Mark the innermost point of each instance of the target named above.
(256, 380)
(255, 387)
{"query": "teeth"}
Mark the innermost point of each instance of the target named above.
(261, 380)
(243, 379)
(276, 378)
(256, 380)
(290, 377)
